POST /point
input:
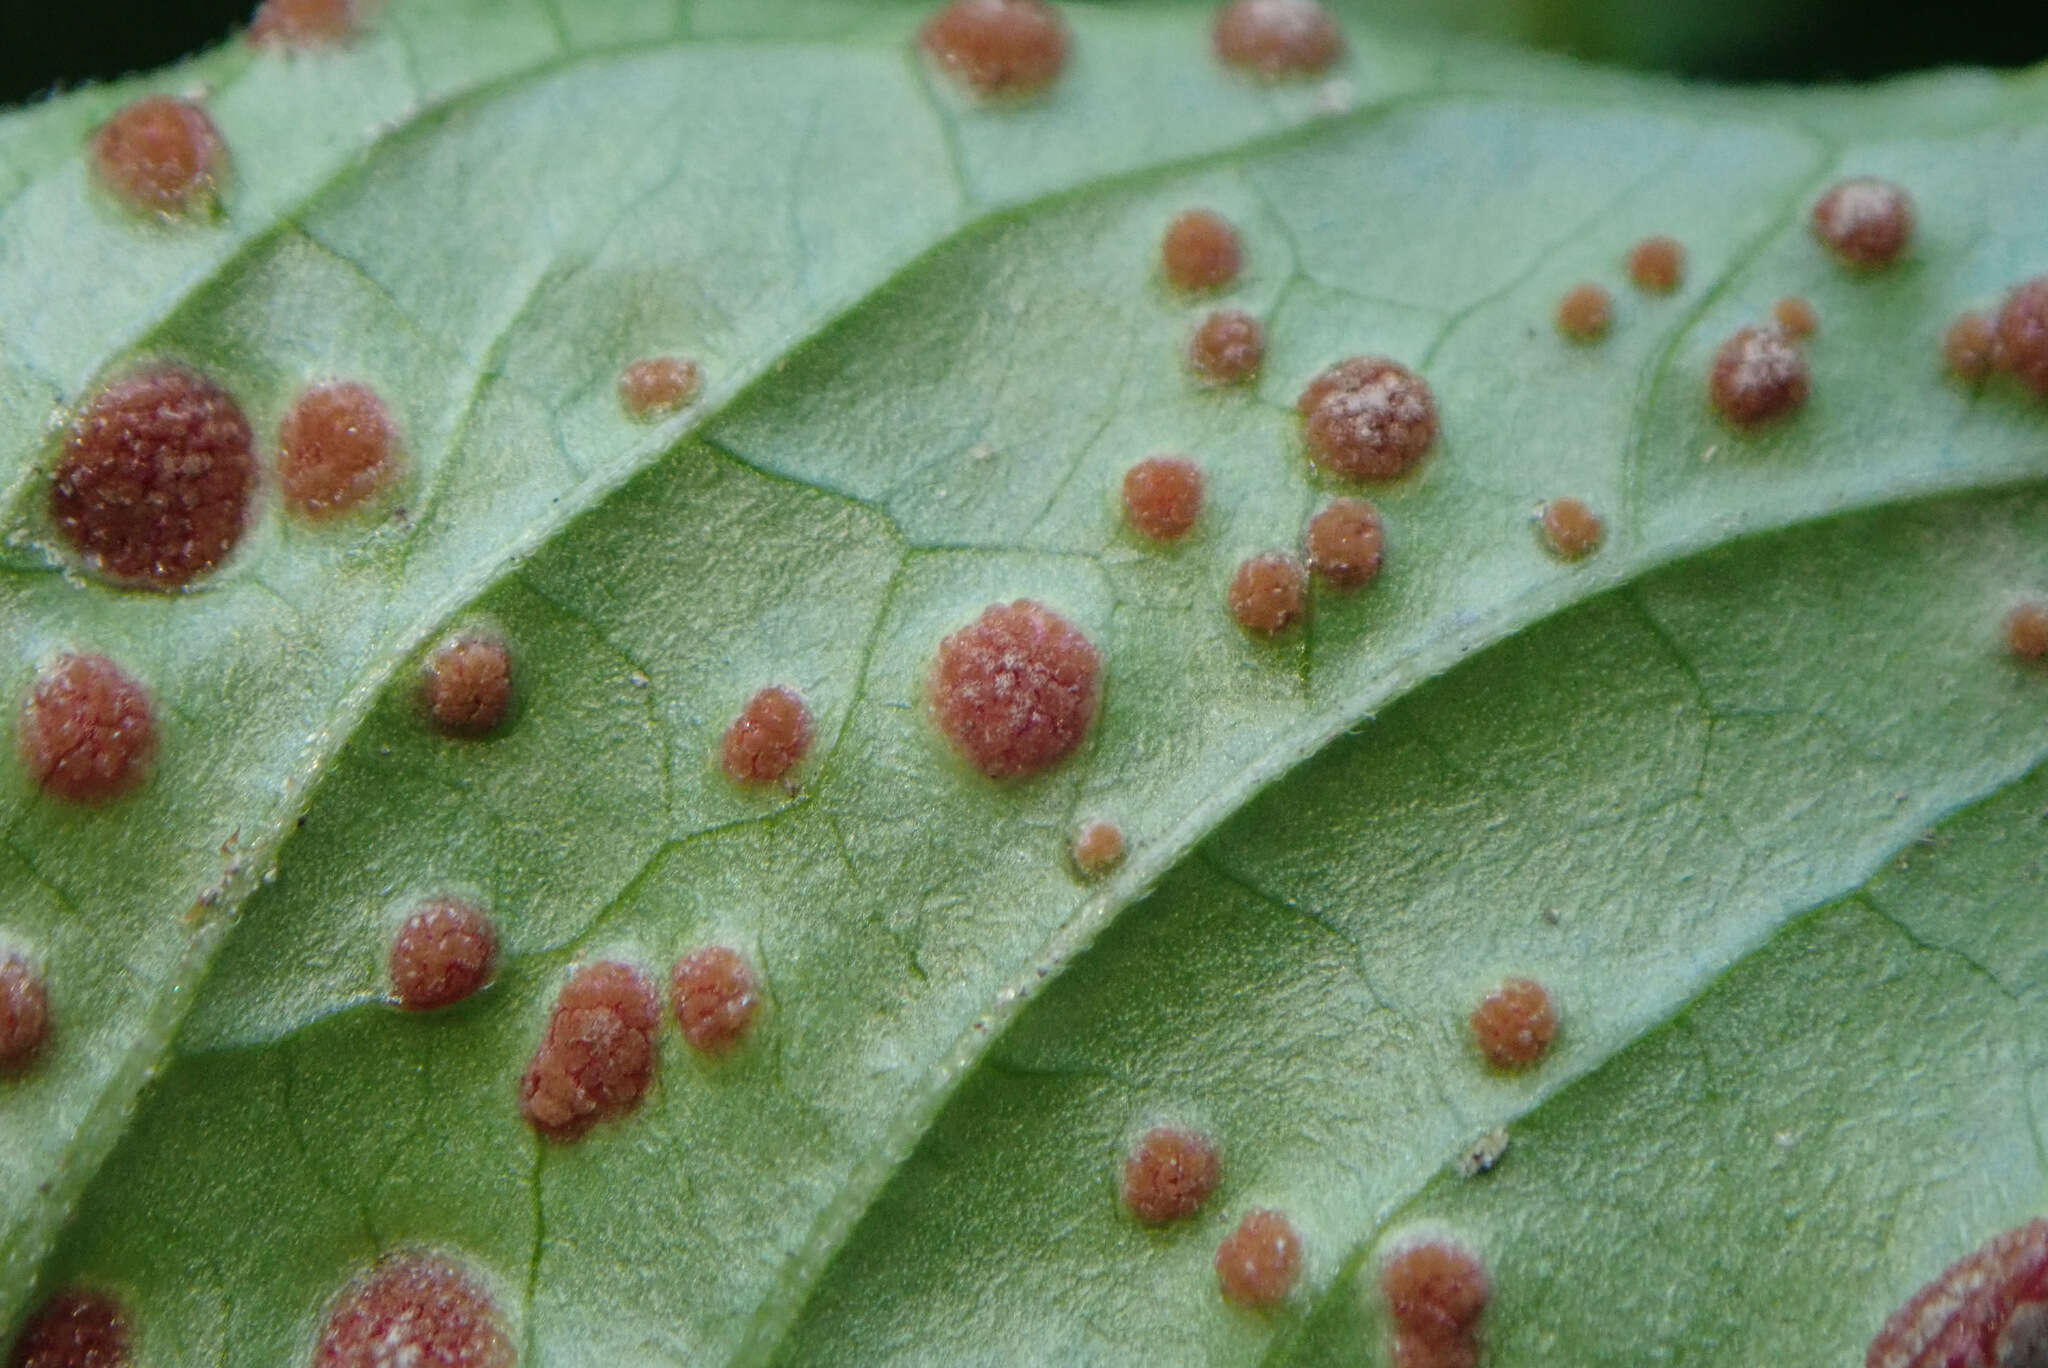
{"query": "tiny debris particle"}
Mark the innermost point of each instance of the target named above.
(2026, 630)
(1967, 347)
(1228, 348)
(997, 47)
(769, 737)
(301, 24)
(1657, 264)
(1988, 1309)
(1367, 418)
(466, 687)
(1015, 690)
(1436, 1294)
(1585, 312)
(161, 155)
(1482, 1154)
(1168, 1174)
(1257, 1263)
(152, 486)
(24, 1014)
(1758, 375)
(76, 1328)
(1277, 39)
(1268, 594)
(1570, 529)
(657, 386)
(1795, 317)
(335, 449)
(1346, 543)
(86, 732)
(715, 998)
(1515, 1023)
(414, 1309)
(1200, 251)
(1098, 848)
(445, 951)
(595, 1059)
(2020, 339)
(1163, 497)
(1866, 223)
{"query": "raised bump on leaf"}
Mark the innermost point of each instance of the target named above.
(1758, 376)
(1268, 594)
(1866, 223)
(87, 730)
(161, 155)
(1015, 690)
(1795, 317)
(1367, 418)
(414, 1309)
(76, 1328)
(998, 47)
(442, 953)
(1200, 251)
(1098, 848)
(2026, 629)
(1168, 1174)
(1436, 1292)
(1277, 38)
(1163, 497)
(1967, 348)
(1584, 313)
(1228, 347)
(1346, 543)
(2020, 336)
(1258, 1261)
(336, 448)
(1657, 265)
(466, 685)
(1570, 529)
(300, 24)
(24, 1014)
(769, 738)
(1514, 1024)
(715, 998)
(657, 386)
(595, 1060)
(1988, 1309)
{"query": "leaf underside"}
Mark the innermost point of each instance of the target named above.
(1752, 790)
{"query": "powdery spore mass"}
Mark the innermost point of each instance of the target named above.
(87, 732)
(466, 687)
(1346, 543)
(1228, 348)
(161, 155)
(1258, 1262)
(444, 951)
(152, 486)
(1276, 39)
(596, 1057)
(1200, 251)
(1514, 1024)
(1866, 223)
(336, 449)
(1168, 1174)
(414, 1311)
(768, 739)
(1988, 1309)
(1757, 376)
(715, 998)
(1367, 418)
(1795, 317)
(997, 47)
(1163, 497)
(1015, 690)
(76, 1328)
(1436, 1293)
(1268, 594)
(24, 1014)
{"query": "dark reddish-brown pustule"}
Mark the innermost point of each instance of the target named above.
(715, 998)
(657, 386)
(1168, 1174)
(77, 1328)
(161, 155)
(24, 1013)
(1367, 418)
(1866, 223)
(1795, 317)
(1015, 690)
(466, 687)
(1657, 264)
(997, 47)
(1584, 313)
(1967, 347)
(1228, 348)
(1098, 848)
(299, 24)
(415, 1310)
(1988, 1309)
(1163, 497)
(1570, 529)
(1277, 38)
(1257, 1263)
(1200, 251)
(86, 733)
(1346, 543)
(1268, 594)
(768, 739)
(2026, 629)
(2019, 341)
(443, 952)
(153, 484)
(596, 1057)
(1436, 1294)
(336, 448)
(1758, 375)
(1514, 1024)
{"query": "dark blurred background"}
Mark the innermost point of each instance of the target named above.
(45, 46)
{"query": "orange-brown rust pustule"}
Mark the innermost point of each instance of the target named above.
(1570, 529)
(76, 1328)
(2019, 339)
(769, 738)
(998, 47)
(1367, 418)
(1015, 690)
(87, 731)
(2026, 629)
(1346, 543)
(1988, 1309)
(1098, 848)
(161, 155)
(657, 386)
(1268, 594)
(1228, 348)
(1200, 251)
(443, 952)
(715, 997)
(303, 24)
(1514, 1024)
(336, 449)
(1657, 265)
(1585, 313)
(1866, 223)
(1168, 1174)
(24, 1014)
(1258, 1262)
(1967, 347)
(1758, 376)
(1436, 1294)
(414, 1310)
(1277, 39)
(1163, 497)
(466, 688)
(596, 1057)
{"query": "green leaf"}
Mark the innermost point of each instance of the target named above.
(934, 338)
